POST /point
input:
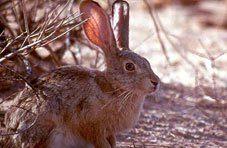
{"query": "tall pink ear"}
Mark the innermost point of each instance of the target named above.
(120, 13)
(97, 28)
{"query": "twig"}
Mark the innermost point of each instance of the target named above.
(45, 24)
(213, 67)
(15, 39)
(150, 10)
(68, 42)
(61, 11)
(1, 34)
(38, 42)
(183, 56)
(6, 6)
(23, 109)
(63, 33)
(53, 56)
(144, 40)
(3, 22)
(37, 102)
(74, 57)
(96, 59)
(35, 9)
(11, 42)
(15, 14)
(64, 24)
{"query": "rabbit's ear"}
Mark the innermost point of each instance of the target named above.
(120, 16)
(97, 28)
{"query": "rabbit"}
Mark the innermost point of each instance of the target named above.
(81, 107)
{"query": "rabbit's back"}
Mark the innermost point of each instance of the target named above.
(65, 93)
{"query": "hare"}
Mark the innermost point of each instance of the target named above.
(81, 107)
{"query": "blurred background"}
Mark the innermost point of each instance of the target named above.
(185, 42)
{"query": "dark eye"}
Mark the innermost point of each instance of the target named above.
(129, 66)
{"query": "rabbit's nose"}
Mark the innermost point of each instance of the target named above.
(155, 83)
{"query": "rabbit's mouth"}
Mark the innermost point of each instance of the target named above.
(149, 87)
(154, 89)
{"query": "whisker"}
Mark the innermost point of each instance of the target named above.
(115, 90)
(113, 100)
(119, 88)
(129, 96)
(125, 99)
(125, 92)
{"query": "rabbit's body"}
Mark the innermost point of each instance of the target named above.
(86, 113)
(81, 107)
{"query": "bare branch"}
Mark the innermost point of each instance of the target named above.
(39, 42)
(150, 10)
(37, 102)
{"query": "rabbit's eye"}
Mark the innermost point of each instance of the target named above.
(129, 66)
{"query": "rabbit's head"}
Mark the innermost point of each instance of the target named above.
(125, 69)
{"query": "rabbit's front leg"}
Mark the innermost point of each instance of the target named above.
(102, 143)
(62, 137)
(112, 140)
